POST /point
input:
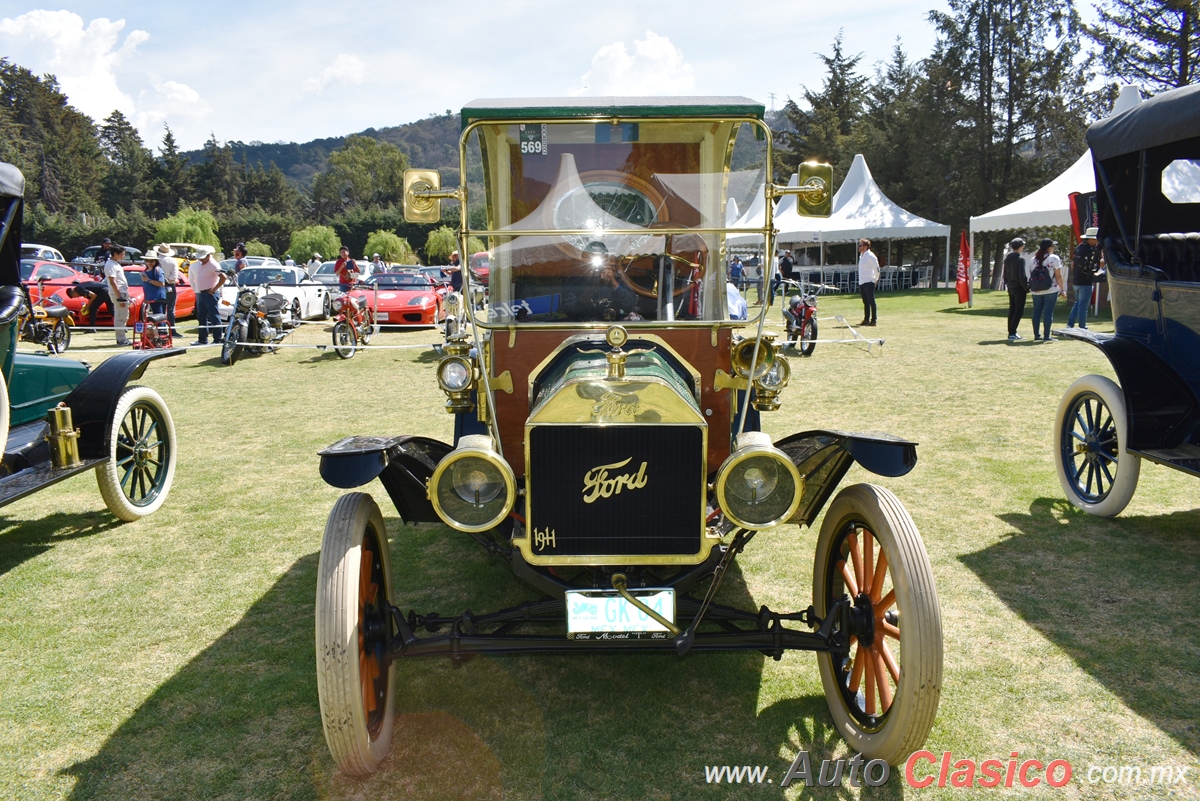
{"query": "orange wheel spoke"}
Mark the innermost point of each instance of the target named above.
(881, 679)
(857, 671)
(851, 584)
(869, 680)
(868, 561)
(856, 558)
(880, 575)
(885, 603)
(889, 660)
(889, 629)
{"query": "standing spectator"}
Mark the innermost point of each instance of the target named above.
(102, 256)
(239, 255)
(207, 279)
(118, 290)
(154, 286)
(346, 270)
(314, 262)
(868, 278)
(737, 275)
(786, 266)
(1084, 269)
(1047, 267)
(170, 269)
(96, 294)
(1017, 281)
(377, 265)
(754, 273)
(288, 261)
(455, 271)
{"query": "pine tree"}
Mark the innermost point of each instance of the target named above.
(128, 184)
(1153, 44)
(172, 178)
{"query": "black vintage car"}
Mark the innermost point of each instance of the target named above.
(1147, 164)
(59, 418)
(607, 441)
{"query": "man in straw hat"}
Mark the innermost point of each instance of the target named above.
(1085, 269)
(170, 268)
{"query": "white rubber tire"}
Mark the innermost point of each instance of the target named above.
(1128, 465)
(356, 749)
(4, 413)
(140, 419)
(914, 706)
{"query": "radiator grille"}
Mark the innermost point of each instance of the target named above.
(636, 510)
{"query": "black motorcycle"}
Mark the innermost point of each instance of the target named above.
(256, 321)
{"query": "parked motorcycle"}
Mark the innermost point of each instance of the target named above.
(354, 324)
(256, 320)
(800, 315)
(47, 322)
(152, 331)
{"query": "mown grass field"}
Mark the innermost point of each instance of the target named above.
(172, 658)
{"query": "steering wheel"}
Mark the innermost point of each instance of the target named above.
(644, 266)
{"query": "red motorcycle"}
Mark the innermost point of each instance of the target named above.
(354, 323)
(152, 331)
(800, 315)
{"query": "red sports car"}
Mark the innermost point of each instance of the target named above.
(57, 275)
(185, 299)
(403, 299)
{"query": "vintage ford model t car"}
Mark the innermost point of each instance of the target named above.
(59, 419)
(1148, 201)
(607, 441)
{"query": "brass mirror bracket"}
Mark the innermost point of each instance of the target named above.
(815, 192)
(423, 195)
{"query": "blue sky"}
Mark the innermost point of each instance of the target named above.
(274, 71)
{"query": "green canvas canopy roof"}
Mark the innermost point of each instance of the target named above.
(566, 108)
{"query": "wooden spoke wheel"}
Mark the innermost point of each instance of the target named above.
(640, 273)
(884, 692)
(137, 476)
(1094, 469)
(356, 684)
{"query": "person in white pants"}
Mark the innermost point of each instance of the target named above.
(118, 289)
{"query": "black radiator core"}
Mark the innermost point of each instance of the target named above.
(602, 490)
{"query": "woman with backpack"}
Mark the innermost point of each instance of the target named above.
(1047, 280)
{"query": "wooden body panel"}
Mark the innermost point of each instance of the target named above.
(694, 345)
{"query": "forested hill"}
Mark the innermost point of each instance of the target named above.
(431, 143)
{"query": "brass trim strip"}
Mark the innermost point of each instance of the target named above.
(621, 585)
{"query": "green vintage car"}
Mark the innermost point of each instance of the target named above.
(60, 418)
(607, 440)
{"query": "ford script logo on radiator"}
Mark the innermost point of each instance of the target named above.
(597, 484)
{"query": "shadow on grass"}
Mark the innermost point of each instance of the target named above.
(1116, 596)
(21, 540)
(241, 720)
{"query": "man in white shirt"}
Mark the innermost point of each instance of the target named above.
(207, 278)
(868, 278)
(118, 290)
(170, 268)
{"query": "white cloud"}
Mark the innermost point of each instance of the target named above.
(655, 67)
(83, 59)
(168, 101)
(345, 68)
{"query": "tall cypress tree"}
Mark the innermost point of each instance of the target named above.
(128, 182)
(1154, 44)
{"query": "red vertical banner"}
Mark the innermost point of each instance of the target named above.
(963, 283)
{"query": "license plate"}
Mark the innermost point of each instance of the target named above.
(382, 316)
(605, 615)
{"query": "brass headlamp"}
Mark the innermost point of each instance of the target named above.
(770, 384)
(456, 375)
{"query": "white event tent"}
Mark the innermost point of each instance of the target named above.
(860, 209)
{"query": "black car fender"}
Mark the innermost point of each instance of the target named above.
(824, 457)
(1162, 411)
(403, 464)
(94, 401)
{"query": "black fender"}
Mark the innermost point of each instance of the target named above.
(94, 401)
(402, 464)
(1162, 409)
(824, 457)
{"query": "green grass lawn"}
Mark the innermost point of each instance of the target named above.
(172, 658)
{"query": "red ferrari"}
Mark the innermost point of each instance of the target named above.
(185, 299)
(402, 298)
(54, 276)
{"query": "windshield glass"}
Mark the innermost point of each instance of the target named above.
(400, 281)
(26, 270)
(644, 210)
(257, 276)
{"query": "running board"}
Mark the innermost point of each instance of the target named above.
(32, 479)
(1185, 457)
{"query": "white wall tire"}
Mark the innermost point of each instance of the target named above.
(137, 476)
(4, 414)
(357, 696)
(895, 699)
(1090, 431)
